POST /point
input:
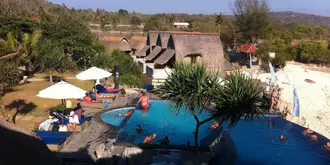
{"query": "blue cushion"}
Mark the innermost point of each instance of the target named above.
(52, 134)
(53, 137)
(56, 141)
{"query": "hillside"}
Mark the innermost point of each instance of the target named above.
(285, 17)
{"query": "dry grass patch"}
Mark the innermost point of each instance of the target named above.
(28, 93)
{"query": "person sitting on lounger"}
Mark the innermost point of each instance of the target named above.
(148, 139)
(308, 131)
(314, 136)
(164, 141)
(144, 100)
(327, 145)
(214, 125)
(79, 111)
(88, 98)
(73, 122)
(127, 113)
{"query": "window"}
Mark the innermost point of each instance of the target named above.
(193, 59)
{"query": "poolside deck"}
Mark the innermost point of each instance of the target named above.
(83, 145)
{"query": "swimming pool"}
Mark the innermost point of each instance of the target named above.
(160, 120)
(253, 139)
(254, 144)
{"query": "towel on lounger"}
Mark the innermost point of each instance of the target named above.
(45, 125)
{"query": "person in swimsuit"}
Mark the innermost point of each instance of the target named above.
(127, 113)
(164, 141)
(327, 145)
(148, 139)
(281, 138)
(214, 125)
(314, 136)
(307, 131)
(138, 128)
(144, 100)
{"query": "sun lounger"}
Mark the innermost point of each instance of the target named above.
(83, 123)
(54, 140)
(98, 105)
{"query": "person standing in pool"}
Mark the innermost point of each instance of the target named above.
(327, 146)
(144, 100)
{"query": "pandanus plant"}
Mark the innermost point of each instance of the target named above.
(190, 87)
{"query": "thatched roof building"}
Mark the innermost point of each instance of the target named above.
(152, 38)
(138, 42)
(195, 47)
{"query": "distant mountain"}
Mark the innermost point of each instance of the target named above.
(288, 16)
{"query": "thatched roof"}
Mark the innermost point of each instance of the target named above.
(163, 37)
(165, 57)
(154, 53)
(152, 38)
(138, 42)
(142, 52)
(208, 45)
(20, 146)
(125, 45)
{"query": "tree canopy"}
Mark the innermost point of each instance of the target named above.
(252, 18)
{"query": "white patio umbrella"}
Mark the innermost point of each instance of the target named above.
(62, 90)
(93, 73)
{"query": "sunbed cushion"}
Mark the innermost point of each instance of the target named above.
(53, 137)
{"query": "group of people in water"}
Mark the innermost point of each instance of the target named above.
(307, 132)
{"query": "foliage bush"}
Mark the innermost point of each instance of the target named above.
(130, 80)
(9, 76)
(125, 63)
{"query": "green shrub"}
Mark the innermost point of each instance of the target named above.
(130, 80)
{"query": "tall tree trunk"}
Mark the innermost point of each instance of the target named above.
(196, 134)
(27, 70)
(14, 117)
(50, 76)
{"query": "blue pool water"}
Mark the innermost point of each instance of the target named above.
(160, 120)
(253, 139)
(112, 117)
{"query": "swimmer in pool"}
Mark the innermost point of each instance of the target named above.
(281, 138)
(327, 146)
(127, 113)
(164, 141)
(214, 125)
(139, 129)
(148, 139)
(308, 131)
(314, 136)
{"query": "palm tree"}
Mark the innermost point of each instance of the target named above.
(24, 52)
(239, 96)
(218, 20)
(192, 87)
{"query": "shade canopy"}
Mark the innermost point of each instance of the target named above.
(93, 73)
(62, 90)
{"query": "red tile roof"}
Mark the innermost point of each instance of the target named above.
(247, 48)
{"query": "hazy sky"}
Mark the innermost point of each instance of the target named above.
(320, 7)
